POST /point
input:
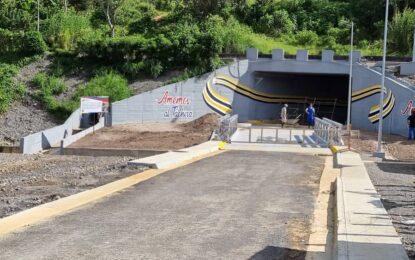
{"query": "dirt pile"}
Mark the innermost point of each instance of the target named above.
(208, 122)
(30, 180)
(153, 136)
(394, 145)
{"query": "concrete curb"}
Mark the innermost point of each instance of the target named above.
(168, 159)
(61, 206)
(76, 137)
(364, 230)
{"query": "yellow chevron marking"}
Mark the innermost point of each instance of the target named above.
(216, 94)
(365, 89)
(215, 104)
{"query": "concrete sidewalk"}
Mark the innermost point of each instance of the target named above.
(168, 159)
(365, 230)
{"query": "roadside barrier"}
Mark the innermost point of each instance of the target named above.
(227, 127)
(329, 131)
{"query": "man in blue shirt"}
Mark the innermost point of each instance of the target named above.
(411, 125)
(310, 111)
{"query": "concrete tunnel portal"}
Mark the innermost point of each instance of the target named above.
(328, 92)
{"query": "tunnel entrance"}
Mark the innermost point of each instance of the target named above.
(328, 92)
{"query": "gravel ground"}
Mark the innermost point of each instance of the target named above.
(395, 146)
(30, 180)
(395, 182)
(148, 84)
(21, 120)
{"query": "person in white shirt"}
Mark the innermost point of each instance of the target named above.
(284, 115)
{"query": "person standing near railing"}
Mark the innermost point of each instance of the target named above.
(411, 125)
(284, 115)
(310, 111)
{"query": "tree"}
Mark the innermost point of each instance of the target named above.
(203, 8)
(402, 31)
(110, 7)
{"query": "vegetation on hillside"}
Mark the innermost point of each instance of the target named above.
(130, 38)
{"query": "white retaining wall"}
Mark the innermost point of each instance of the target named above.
(51, 137)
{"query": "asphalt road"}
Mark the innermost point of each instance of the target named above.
(236, 205)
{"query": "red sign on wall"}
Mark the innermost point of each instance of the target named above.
(167, 99)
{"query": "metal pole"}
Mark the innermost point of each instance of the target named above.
(385, 38)
(38, 15)
(413, 49)
(349, 97)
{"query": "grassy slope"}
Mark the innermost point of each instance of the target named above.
(266, 44)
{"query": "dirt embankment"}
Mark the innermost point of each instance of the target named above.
(397, 146)
(154, 136)
(30, 180)
(26, 116)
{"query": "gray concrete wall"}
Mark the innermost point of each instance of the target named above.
(146, 107)
(395, 123)
(48, 138)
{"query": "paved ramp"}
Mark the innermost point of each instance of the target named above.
(236, 205)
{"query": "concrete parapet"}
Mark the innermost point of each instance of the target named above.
(302, 55)
(407, 69)
(252, 53)
(73, 138)
(357, 56)
(327, 55)
(365, 230)
(278, 54)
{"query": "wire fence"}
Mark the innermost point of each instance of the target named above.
(227, 127)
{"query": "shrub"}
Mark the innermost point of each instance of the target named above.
(137, 16)
(132, 69)
(65, 30)
(401, 31)
(153, 68)
(275, 23)
(26, 43)
(306, 37)
(10, 89)
(35, 43)
(107, 84)
(48, 87)
(173, 45)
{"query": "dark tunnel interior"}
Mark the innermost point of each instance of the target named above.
(328, 92)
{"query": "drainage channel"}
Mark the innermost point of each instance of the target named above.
(107, 152)
(9, 149)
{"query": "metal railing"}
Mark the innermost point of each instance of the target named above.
(329, 131)
(227, 127)
(261, 134)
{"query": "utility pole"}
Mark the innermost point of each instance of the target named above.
(65, 2)
(380, 151)
(38, 16)
(349, 96)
